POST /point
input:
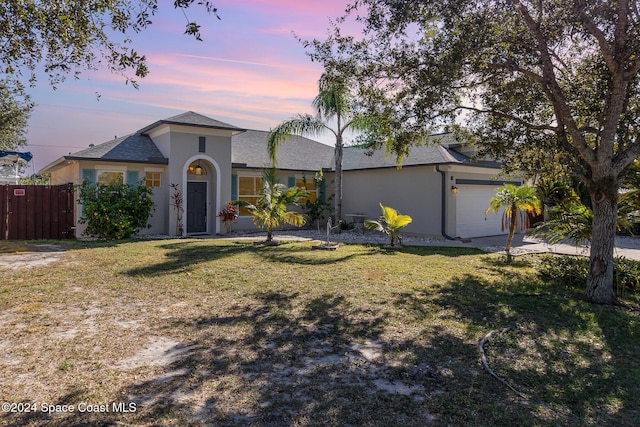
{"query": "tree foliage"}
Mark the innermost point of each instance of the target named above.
(337, 114)
(556, 76)
(70, 36)
(114, 211)
(15, 109)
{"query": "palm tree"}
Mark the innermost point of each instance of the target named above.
(333, 102)
(389, 223)
(574, 221)
(270, 210)
(518, 203)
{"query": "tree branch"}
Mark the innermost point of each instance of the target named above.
(485, 363)
(511, 117)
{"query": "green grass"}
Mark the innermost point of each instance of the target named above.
(272, 336)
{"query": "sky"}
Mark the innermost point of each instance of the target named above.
(249, 71)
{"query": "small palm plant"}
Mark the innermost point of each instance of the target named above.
(270, 210)
(390, 223)
(518, 203)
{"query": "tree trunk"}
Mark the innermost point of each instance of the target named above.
(600, 280)
(512, 228)
(338, 180)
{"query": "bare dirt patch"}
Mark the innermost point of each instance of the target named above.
(25, 255)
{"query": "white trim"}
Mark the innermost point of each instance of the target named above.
(214, 209)
(154, 170)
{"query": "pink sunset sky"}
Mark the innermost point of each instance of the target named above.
(249, 71)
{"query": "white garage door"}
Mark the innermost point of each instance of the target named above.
(471, 203)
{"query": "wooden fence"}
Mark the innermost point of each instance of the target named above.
(32, 212)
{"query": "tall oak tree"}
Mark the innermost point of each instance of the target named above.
(557, 75)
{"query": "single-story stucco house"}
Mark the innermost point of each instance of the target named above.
(211, 162)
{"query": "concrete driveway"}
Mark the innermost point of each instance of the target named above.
(628, 247)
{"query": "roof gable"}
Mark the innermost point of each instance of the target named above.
(192, 119)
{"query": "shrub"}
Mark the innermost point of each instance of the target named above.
(572, 271)
(114, 211)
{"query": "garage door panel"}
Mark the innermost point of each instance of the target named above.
(471, 204)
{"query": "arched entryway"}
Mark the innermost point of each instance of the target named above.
(201, 196)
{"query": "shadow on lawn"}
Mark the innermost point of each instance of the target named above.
(288, 359)
(576, 363)
(281, 360)
(182, 255)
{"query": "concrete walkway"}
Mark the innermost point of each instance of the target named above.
(627, 247)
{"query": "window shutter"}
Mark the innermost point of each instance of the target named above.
(132, 177)
(234, 187)
(89, 175)
(291, 181)
(322, 191)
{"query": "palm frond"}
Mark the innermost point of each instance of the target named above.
(300, 125)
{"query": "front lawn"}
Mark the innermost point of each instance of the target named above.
(214, 332)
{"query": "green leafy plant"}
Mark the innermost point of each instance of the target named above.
(572, 271)
(270, 211)
(574, 221)
(114, 211)
(518, 202)
(553, 193)
(318, 209)
(390, 223)
(571, 222)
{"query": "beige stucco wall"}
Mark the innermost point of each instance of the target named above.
(414, 191)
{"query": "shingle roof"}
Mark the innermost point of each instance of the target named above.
(439, 151)
(135, 148)
(249, 149)
(192, 119)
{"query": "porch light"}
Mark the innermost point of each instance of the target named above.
(198, 170)
(454, 189)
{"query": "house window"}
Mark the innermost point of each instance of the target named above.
(202, 144)
(110, 177)
(249, 190)
(310, 186)
(152, 179)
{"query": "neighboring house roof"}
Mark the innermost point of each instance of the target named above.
(192, 119)
(249, 149)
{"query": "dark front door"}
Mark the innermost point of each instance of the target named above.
(196, 207)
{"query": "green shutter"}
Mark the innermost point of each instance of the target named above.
(132, 177)
(89, 175)
(322, 191)
(234, 187)
(291, 181)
